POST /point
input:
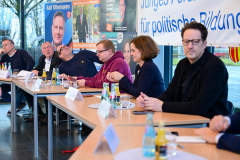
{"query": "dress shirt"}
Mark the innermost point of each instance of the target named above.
(220, 134)
(47, 64)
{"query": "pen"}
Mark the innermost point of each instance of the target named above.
(180, 146)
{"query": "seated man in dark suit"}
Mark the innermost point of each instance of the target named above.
(222, 132)
(47, 61)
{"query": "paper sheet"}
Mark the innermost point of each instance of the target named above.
(96, 106)
(190, 139)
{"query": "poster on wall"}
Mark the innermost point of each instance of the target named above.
(86, 24)
(118, 16)
(121, 41)
(164, 20)
(58, 23)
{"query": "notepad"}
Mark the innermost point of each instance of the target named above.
(190, 139)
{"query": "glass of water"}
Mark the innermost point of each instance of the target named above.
(15, 73)
(172, 145)
(125, 101)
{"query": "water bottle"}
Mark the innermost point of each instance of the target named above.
(10, 69)
(58, 78)
(5, 65)
(104, 92)
(161, 143)
(117, 94)
(149, 138)
(44, 76)
(54, 77)
(113, 96)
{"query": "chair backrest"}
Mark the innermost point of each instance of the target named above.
(231, 107)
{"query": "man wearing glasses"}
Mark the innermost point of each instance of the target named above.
(199, 85)
(80, 64)
(47, 61)
(112, 62)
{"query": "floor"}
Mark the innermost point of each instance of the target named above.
(19, 146)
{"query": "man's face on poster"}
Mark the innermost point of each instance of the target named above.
(122, 7)
(81, 10)
(58, 28)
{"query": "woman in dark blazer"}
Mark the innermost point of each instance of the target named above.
(148, 78)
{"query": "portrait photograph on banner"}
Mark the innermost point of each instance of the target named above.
(118, 16)
(58, 23)
(85, 25)
(121, 41)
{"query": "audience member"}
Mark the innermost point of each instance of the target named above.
(20, 60)
(199, 85)
(148, 78)
(80, 64)
(112, 62)
(47, 61)
(222, 131)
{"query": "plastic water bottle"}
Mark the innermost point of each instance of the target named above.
(5, 66)
(149, 138)
(58, 78)
(113, 96)
(10, 69)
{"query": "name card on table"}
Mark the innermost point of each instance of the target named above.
(105, 109)
(39, 84)
(28, 77)
(4, 74)
(74, 94)
(111, 138)
(24, 73)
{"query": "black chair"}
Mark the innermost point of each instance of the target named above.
(231, 107)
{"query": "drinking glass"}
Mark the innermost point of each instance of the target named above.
(15, 72)
(172, 145)
(125, 101)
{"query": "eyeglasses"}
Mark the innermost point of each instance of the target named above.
(194, 42)
(62, 48)
(101, 51)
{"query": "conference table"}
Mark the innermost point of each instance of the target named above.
(30, 88)
(9, 81)
(90, 117)
(131, 138)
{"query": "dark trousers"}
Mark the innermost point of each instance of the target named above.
(29, 99)
(82, 40)
(7, 97)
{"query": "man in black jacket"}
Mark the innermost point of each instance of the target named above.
(47, 61)
(199, 85)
